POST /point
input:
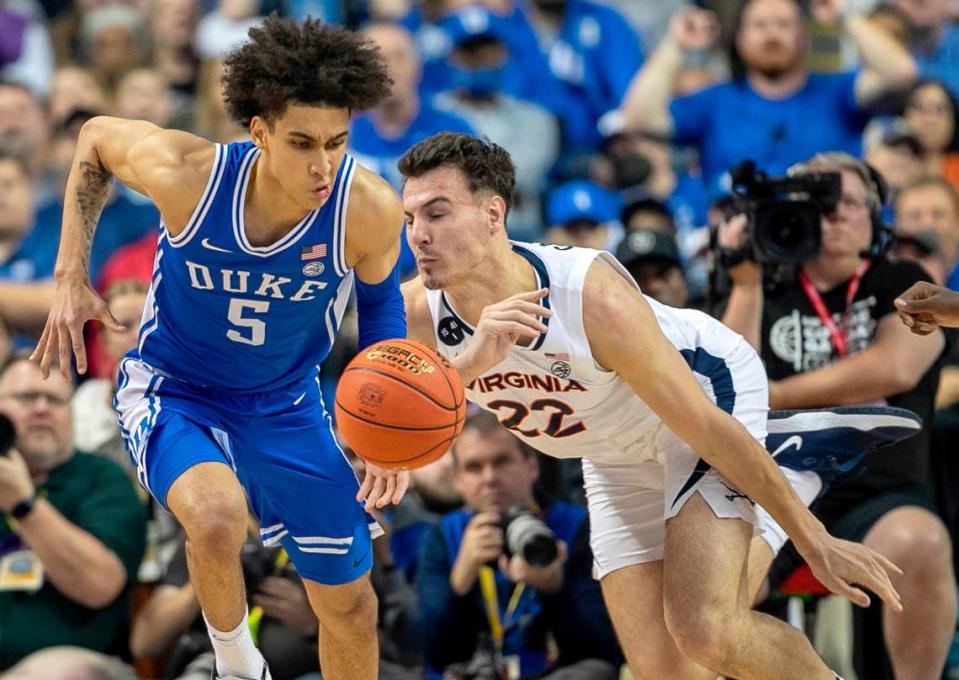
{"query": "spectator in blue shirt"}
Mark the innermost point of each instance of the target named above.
(590, 48)
(379, 137)
(934, 40)
(523, 604)
(775, 112)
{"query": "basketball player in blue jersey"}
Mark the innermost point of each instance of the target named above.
(260, 244)
(560, 343)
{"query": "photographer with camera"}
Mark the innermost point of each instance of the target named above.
(503, 574)
(828, 332)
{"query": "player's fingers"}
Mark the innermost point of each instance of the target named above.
(79, 351)
(365, 487)
(378, 485)
(41, 343)
(855, 595)
(887, 565)
(108, 320)
(537, 294)
(387, 496)
(518, 317)
(402, 484)
(48, 350)
(64, 351)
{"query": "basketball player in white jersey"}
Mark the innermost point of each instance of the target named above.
(560, 343)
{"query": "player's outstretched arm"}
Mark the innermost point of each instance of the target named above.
(616, 316)
(926, 306)
(170, 167)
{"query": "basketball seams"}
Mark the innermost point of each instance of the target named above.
(387, 426)
(395, 378)
(418, 457)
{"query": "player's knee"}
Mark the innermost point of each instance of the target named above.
(353, 604)
(215, 528)
(915, 540)
(701, 634)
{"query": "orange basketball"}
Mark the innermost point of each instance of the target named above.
(399, 404)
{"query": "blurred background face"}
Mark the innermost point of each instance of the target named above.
(40, 411)
(848, 229)
(143, 94)
(435, 484)
(930, 117)
(447, 226)
(127, 308)
(896, 163)
(491, 471)
(174, 23)
(581, 233)
(930, 208)
(396, 44)
(661, 280)
(114, 50)
(771, 39)
(23, 127)
(74, 88)
(16, 199)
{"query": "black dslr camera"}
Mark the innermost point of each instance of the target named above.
(527, 535)
(784, 212)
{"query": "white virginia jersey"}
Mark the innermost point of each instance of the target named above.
(554, 395)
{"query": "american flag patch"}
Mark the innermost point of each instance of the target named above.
(313, 252)
(559, 356)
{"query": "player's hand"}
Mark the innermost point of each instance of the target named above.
(926, 306)
(694, 29)
(843, 566)
(502, 325)
(382, 486)
(15, 482)
(286, 601)
(74, 303)
(827, 11)
(546, 579)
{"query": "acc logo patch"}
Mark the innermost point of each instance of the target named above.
(560, 369)
(313, 269)
(450, 332)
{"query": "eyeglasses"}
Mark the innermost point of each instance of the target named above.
(851, 203)
(29, 399)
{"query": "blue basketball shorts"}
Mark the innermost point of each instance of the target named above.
(281, 446)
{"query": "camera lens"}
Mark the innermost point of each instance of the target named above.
(528, 535)
(788, 229)
(8, 434)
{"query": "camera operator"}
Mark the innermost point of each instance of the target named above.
(486, 613)
(829, 335)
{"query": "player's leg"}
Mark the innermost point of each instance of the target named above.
(634, 599)
(303, 490)
(347, 615)
(626, 537)
(706, 610)
(188, 472)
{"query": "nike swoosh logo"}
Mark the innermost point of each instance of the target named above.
(795, 440)
(358, 562)
(209, 246)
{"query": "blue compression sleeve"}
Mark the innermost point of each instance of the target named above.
(380, 312)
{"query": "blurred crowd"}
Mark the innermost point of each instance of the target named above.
(625, 119)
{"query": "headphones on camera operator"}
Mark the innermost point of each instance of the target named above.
(882, 232)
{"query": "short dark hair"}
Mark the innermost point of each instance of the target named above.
(486, 165)
(23, 356)
(485, 423)
(311, 63)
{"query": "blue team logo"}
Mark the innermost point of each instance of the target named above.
(450, 332)
(313, 269)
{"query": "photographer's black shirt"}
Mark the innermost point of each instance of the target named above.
(795, 340)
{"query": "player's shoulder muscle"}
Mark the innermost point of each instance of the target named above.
(374, 216)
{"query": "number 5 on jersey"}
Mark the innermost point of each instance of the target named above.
(256, 327)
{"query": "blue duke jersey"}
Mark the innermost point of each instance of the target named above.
(553, 393)
(227, 314)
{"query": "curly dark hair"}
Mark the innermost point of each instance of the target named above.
(487, 166)
(311, 63)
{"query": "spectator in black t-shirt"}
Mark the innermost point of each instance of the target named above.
(830, 336)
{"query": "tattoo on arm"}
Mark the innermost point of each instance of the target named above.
(91, 194)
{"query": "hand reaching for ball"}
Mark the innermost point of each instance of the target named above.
(382, 486)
